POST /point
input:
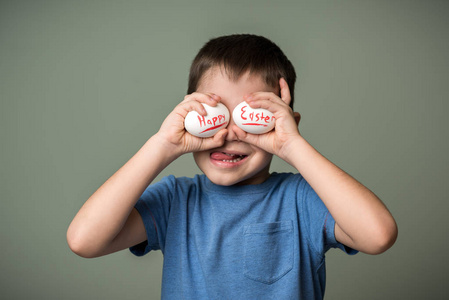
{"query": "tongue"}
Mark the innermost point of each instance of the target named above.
(223, 156)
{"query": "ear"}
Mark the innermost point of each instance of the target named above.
(285, 91)
(297, 116)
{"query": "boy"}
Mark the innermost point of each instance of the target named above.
(236, 232)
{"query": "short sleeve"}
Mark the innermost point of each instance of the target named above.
(154, 207)
(318, 221)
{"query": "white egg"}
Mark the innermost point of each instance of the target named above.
(253, 120)
(216, 119)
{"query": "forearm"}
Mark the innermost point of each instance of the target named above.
(104, 214)
(362, 220)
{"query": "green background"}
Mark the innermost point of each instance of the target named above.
(83, 85)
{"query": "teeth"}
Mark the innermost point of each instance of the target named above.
(235, 157)
(232, 160)
(231, 155)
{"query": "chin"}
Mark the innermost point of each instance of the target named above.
(222, 180)
(234, 179)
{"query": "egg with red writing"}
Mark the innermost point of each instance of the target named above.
(253, 120)
(216, 119)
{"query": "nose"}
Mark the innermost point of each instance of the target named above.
(231, 136)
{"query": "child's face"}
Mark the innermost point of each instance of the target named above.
(235, 162)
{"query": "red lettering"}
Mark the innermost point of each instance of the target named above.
(211, 122)
(243, 112)
(202, 121)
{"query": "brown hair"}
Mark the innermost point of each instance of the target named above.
(240, 53)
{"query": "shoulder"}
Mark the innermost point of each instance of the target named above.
(172, 181)
(173, 185)
(286, 180)
(187, 182)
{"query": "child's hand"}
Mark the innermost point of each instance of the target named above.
(176, 138)
(286, 126)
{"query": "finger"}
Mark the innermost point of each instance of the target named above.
(209, 99)
(271, 105)
(262, 95)
(214, 96)
(187, 106)
(194, 101)
(285, 91)
(253, 99)
(244, 136)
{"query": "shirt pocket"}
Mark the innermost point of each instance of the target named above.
(268, 250)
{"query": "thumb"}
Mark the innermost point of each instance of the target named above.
(216, 141)
(246, 137)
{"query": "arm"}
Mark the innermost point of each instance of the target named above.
(108, 222)
(362, 220)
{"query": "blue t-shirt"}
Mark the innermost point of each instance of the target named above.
(264, 241)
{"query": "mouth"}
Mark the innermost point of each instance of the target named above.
(227, 158)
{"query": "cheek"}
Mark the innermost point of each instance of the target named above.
(202, 162)
(199, 158)
(263, 158)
